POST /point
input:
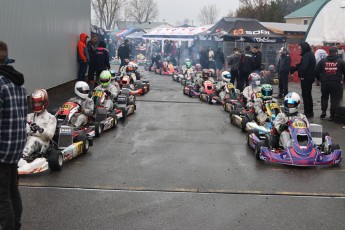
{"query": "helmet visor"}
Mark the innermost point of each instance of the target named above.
(104, 80)
(83, 91)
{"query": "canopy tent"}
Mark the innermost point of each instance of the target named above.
(129, 31)
(327, 26)
(135, 35)
(242, 30)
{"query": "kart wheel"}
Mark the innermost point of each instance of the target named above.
(210, 98)
(115, 121)
(244, 122)
(55, 160)
(324, 134)
(248, 138)
(98, 129)
(258, 150)
(124, 113)
(85, 141)
(332, 147)
(232, 113)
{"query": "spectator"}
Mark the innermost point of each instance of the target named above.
(203, 58)
(330, 71)
(257, 56)
(246, 67)
(111, 49)
(211, 62)
(13, 112)
(319, 54)
(83, 56)
(234, 63)
(101, 59)
(341, 53)
(91, 48)
(283, 70)
(305, 70)
(220, 61)
(123, 53)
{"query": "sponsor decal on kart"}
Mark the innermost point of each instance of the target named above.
(97, 93)
(299, 125)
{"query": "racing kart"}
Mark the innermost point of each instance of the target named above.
(191, 90)
(241, 116)
(187, 77)
(140, 87)
(209, 93)
(167, 69)
(310, 146)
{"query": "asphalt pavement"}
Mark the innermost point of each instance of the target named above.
(178, 163)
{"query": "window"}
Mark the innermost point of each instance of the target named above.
(305, 22)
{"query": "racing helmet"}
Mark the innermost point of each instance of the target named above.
(212, 72)
(205, 73)
(254, 79)
(188, 63)
(249, 105)
(267, 91)
(226, 76)
(129, 68)
(105, 78)
(39, 100)
(272, 68)
(135, 66)
(291, 103)
(81, 89)
(198, 67)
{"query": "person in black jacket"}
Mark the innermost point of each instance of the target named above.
(257, 56)
(330, 71)
(123, 52)
(246, 68)
(306, 73)
(92, 47)
(283, 69)
(220, 61)
(101, 59)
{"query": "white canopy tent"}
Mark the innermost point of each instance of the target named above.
(328, 24)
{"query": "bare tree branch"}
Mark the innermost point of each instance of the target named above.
(208, 14)
(142, 10)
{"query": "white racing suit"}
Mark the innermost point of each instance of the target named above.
(36, 140)
(87, 107)
(248, 92)
(109, 102)
(280, 121)
(259, 104)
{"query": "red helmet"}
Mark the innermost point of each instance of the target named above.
(39, 100)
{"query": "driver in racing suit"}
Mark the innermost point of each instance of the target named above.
(224, 90)
(111, 91)
(260, 103)
(253, 88)
(41, 125)
(82, 89)
(291, 104)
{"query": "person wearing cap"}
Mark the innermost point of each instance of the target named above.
(82, 56)
(123, 53)
(330, 71)
(283, 69)
(257, 56)
(246, 68)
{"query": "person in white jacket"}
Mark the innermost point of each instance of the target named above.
(41, 125)
(254, 87)
(291, 104)
(82, 89)
(111, 91)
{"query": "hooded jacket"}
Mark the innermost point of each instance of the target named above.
(13, 112)
(330, 68)
(83, 54)
(284, 63)
(307, 65)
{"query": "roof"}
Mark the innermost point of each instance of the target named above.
(307, 11)
(145, 26)
(285, 28)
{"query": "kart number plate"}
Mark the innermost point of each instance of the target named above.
(230, 86)
(121, 99)
(67, 106)
(274, 106)
(97, 93)
(299, 125)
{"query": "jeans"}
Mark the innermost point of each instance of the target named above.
(332, 89)
(10, 200)
(82, 70)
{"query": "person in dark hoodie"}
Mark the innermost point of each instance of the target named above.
(283, 69)
(306, 73)
(330, 71)
(13, 113)
(101, 59)
(82, 56)
(246, 68)
(123, 53)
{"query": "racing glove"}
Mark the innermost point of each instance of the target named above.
(283, 127)
(107, 92)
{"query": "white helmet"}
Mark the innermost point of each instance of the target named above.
(291, 103)
(226, 76)
(254, 79)
(82, 89)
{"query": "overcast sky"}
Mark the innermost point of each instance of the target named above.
(177, 10)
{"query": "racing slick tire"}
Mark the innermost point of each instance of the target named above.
(124, 113)
(98, 129)
(244, 122)
(258, 150)
(55, 160)
(233, 112)
(332, 147)
(247, 136)
(112, 115)
(85, 141)
(324, 134)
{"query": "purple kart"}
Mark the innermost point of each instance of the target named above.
(191, 90)
(310, 147)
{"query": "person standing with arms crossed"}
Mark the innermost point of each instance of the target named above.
(13, 113)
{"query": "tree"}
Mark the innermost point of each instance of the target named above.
(142, 10)
(107, 11)
(208, 14)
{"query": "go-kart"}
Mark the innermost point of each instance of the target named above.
(241, 116)
(167, 69)
(140, 87)
(209, 93)
(191, 90)
(66, 144)
(309, 146)
(187, 77)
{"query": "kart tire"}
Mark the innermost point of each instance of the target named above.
(115, 119)
(247, 136)
(210, 98)
(233, 112)
(124, 114)
(332, 147)
(98, 129)
(55, 160)
(244, 122)
(258, 150)
(324, 134)
(85, 141)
